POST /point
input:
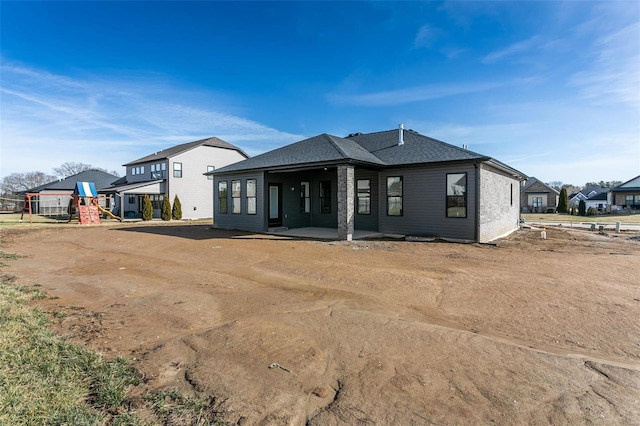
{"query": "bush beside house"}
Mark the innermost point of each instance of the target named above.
(147, 208)
(176, 213)
(166, 209)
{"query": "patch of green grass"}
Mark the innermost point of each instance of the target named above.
(46, 380)
(4, 255)
(174, 408)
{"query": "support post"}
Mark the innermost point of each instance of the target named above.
(346, 198)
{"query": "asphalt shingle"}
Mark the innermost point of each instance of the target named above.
(174, 150)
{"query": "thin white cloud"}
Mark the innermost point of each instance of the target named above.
(511, 50)
(614, 74)
(426, 36)
(412, 94)
(47, 119)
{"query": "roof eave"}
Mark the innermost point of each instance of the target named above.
(508, 169)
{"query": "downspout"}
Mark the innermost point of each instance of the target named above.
(477, 202)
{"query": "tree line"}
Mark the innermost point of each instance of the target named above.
(19, 182)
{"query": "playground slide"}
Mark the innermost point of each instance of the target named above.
(108, 213)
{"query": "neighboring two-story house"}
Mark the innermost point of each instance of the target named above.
(178, 170)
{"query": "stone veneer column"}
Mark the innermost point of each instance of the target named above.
(346, 198)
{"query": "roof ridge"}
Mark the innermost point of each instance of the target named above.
(334, 143)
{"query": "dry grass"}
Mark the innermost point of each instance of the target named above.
(45, 379)
(565, 218)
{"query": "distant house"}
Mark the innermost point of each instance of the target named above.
(538, 197)
(625, 196)
(598, 201)
(178, 170)
(392, 182)
(54, 197)
(585, 194)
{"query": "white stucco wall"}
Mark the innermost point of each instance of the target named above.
(499, 204)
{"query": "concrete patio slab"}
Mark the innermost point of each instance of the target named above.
(324, 233)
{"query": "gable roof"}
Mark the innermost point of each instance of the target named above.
(630, 185)
(179, 149)
(101, 179)
(321, 149)
(599, 197)
(532, 181)
(378, 149)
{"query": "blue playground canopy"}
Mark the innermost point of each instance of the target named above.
(86, 189)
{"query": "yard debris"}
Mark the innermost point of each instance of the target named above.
(276, 365)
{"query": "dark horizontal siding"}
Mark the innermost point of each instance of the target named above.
(243, 221)
(292, 217)
(424, 203)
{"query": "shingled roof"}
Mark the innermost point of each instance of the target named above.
(178, 149)
(321, 149)
(380, 149)
(101, 179)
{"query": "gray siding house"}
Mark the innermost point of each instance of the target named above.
(178, 170)
(54, 197)
(393, 182)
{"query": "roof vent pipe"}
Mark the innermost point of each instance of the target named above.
(401, 134)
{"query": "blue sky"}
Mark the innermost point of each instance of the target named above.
(550, 88)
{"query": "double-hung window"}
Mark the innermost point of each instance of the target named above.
(394, 196)
(210, 169)
(537, 202)
(457, 195)
(364, 196)
(236, 192)
(251, 196)
(222, 197)
(177, 170)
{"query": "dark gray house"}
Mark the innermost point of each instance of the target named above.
(393, 182)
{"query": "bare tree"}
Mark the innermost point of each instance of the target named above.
(71, 168)
(556, 184)
(18, 182)
(603, 184)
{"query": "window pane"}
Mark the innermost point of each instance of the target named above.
(364, 185)
(394, 186)
(251, 205)
(251, 188)
(394, 206)
(456, 184)
(364, 205)
(236, 206)
(235, 188)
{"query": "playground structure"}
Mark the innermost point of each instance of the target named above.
(84, 201)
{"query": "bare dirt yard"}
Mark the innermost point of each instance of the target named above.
(526, 331)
